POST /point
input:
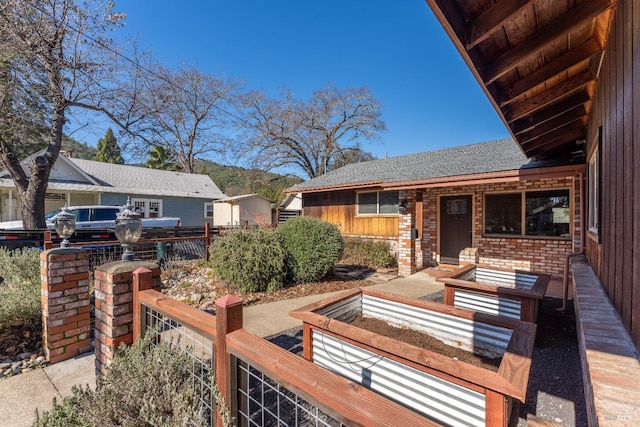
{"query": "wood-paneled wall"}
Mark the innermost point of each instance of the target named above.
(339, 207)
(616, 108)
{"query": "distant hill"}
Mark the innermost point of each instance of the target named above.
(78, 150)
(235, 180)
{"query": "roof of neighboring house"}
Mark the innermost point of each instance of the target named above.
(90, 176)
(487, 157)
(243, 197)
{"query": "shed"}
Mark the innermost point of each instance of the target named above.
(249, 209)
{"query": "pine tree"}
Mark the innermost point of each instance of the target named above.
(108, 149)
(160, 158)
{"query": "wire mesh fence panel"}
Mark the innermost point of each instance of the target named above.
(264, 402)
(168, 254)
(199, 352)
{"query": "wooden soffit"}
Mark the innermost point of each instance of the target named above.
(537, 60)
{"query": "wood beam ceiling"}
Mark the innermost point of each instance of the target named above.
(492, 20)
(528, 106)
(583, 12)
(579, 54)
(542, 86)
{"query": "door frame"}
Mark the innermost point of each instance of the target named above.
(438, 216)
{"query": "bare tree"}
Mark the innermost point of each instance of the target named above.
(184, 111)
(307, 135)
(54, 55)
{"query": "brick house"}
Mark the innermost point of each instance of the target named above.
(563, 77)
(482, 203)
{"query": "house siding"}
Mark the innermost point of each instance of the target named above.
(189, 210)
(614, 253)
(339, 208)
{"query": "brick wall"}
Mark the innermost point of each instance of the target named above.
(114, 307)
(65, 303)
(540, 254)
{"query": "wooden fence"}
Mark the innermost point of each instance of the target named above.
(262, 383)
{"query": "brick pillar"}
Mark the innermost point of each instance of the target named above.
(114, 307)
(64, 276)
(469, 256)
(406, 222)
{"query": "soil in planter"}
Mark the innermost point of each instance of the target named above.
(422, 340)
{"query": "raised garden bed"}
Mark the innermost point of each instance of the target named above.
(511, 293)
(447, 390)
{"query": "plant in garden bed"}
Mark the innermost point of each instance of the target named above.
(366, 252)
(313, 247)
(254, 260)
(146, 385)
(20, 311)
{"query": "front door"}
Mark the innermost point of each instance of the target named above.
(455, 227)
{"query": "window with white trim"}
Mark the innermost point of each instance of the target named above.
(208, 209)
(149, 208)
(530, 213)
(378, 203)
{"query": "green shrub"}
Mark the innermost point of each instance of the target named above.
(367, 252)
(313, 247)
(253, 259)
(20, 288)
(144, 386)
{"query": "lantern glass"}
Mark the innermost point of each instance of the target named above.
(65, 225)
(128, 229)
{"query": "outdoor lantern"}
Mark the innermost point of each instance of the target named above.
(128, 229)
(65, 224)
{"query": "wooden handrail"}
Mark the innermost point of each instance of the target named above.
(201, 322)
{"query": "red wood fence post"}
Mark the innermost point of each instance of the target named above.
(207, 241)
(228, 319)
(142, 280)
(47, 243)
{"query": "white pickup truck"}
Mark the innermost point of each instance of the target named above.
(95, 218)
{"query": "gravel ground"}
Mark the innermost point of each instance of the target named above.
(555, 390)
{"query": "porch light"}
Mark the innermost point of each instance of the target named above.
(65, 224)
(128, 229)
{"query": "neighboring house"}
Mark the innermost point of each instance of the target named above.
(485, 202)
(247, 209)
(291, 207)
(153, 192)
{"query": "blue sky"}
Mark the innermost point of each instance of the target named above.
(429, 97)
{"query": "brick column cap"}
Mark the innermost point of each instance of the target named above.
(119, 267)
(63, 251)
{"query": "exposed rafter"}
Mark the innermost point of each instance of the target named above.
(542, 85)
(492, 20)
(581, 53)
(587, 10)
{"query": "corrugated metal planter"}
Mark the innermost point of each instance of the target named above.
(511, 293)
(446, 390)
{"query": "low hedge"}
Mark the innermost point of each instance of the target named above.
(313, 247)
(367, 252)
(253, 259)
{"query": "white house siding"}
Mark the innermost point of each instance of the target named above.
(255, 210)
(252, 210)
(222, 214)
